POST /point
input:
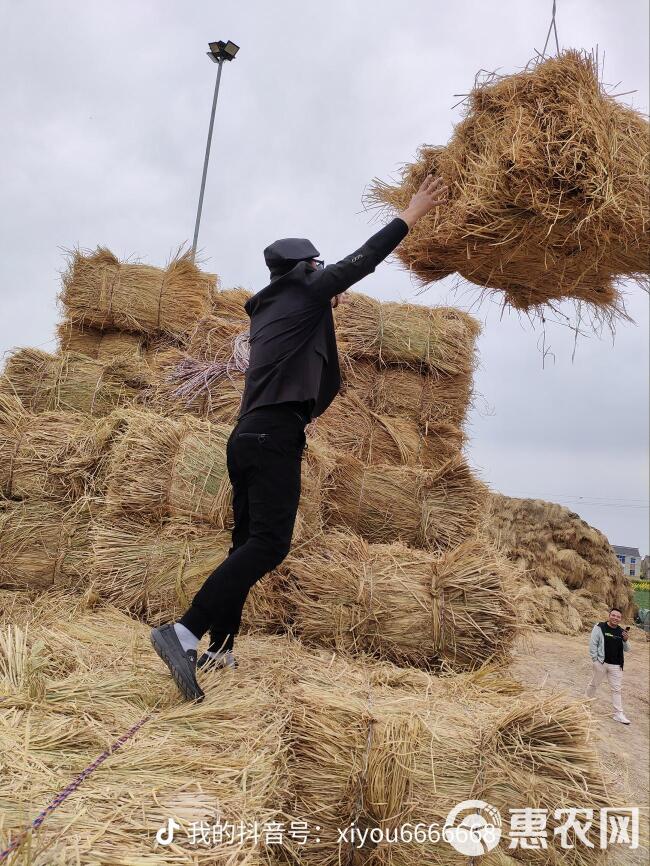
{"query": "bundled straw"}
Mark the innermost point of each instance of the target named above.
(431, 509)
(74, 688)
(164, 467)
(562, 554)
(229, 303)
(150, 571)
(101, 291)
(435, 338)
(57, 455)
(349, 426)
(72, 382)
(408, 606)
(176, 467)
(102, 345)
(44, 544)
(549, 181)
(292, 736)
(213, 338)
(425, 397)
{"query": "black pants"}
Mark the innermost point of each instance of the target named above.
(264, 457)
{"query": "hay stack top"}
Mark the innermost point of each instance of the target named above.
(101, 291)
(549, 190)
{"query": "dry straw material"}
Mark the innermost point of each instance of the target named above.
(572, 567)
(165, 467)
(434, 338)
(292, 735)
(549, 180)
(408, 606)
(229, 303)
(351, 427)
(52, 455)
(212, 338)
(98, 344)
(425, 396)
(44, 544)
(72, 382)
(101, 291)
(427, 508)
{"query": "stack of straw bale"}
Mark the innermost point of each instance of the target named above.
(294, 735)
(572, 572)
(100, 345)
(549, 180)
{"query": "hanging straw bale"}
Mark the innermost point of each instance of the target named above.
(549, 180)
(427, 508)
(435, 338)
(229, 303)
(52, 455)
(165, 467)
(291, 735)
(153, 571)
(73, 689)
(44, 544)
(98, 344)
(101, 291)
(559, 549)
(349, 426)
(408, 606)
(72, 382)
(425, 397)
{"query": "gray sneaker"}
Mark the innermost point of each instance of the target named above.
(181, 663)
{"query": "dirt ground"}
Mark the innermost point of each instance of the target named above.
(561, 662)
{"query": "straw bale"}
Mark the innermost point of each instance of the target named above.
(98, 344)
(220, 404)
(44, 544)
(165, 467)
(101, 291)
(549, 180)
(292, 734)
(435, 338)
(409, 606)
(212, 338)
(153, 571)
(176, 467)
(52, 455)
(425, 396)
(350, 426)
(71, 690)
(72, 382)
(230, 303)
(427, 508)
(560, 550)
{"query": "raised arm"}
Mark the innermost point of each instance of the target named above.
(336, 278)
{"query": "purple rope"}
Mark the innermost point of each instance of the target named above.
(63, 795)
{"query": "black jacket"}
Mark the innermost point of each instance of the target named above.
(293, 353)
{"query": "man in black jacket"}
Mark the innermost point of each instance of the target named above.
(292, 377)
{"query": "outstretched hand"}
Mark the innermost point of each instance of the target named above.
(431, 194)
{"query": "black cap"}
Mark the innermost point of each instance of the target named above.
(288, 251)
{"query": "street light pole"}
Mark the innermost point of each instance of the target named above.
(207, 156)
(219, 51)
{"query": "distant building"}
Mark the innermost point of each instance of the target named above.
(630, 560)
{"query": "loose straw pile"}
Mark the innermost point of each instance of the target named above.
(549, 180)
(573, 573)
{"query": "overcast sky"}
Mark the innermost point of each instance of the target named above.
(105, 108)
